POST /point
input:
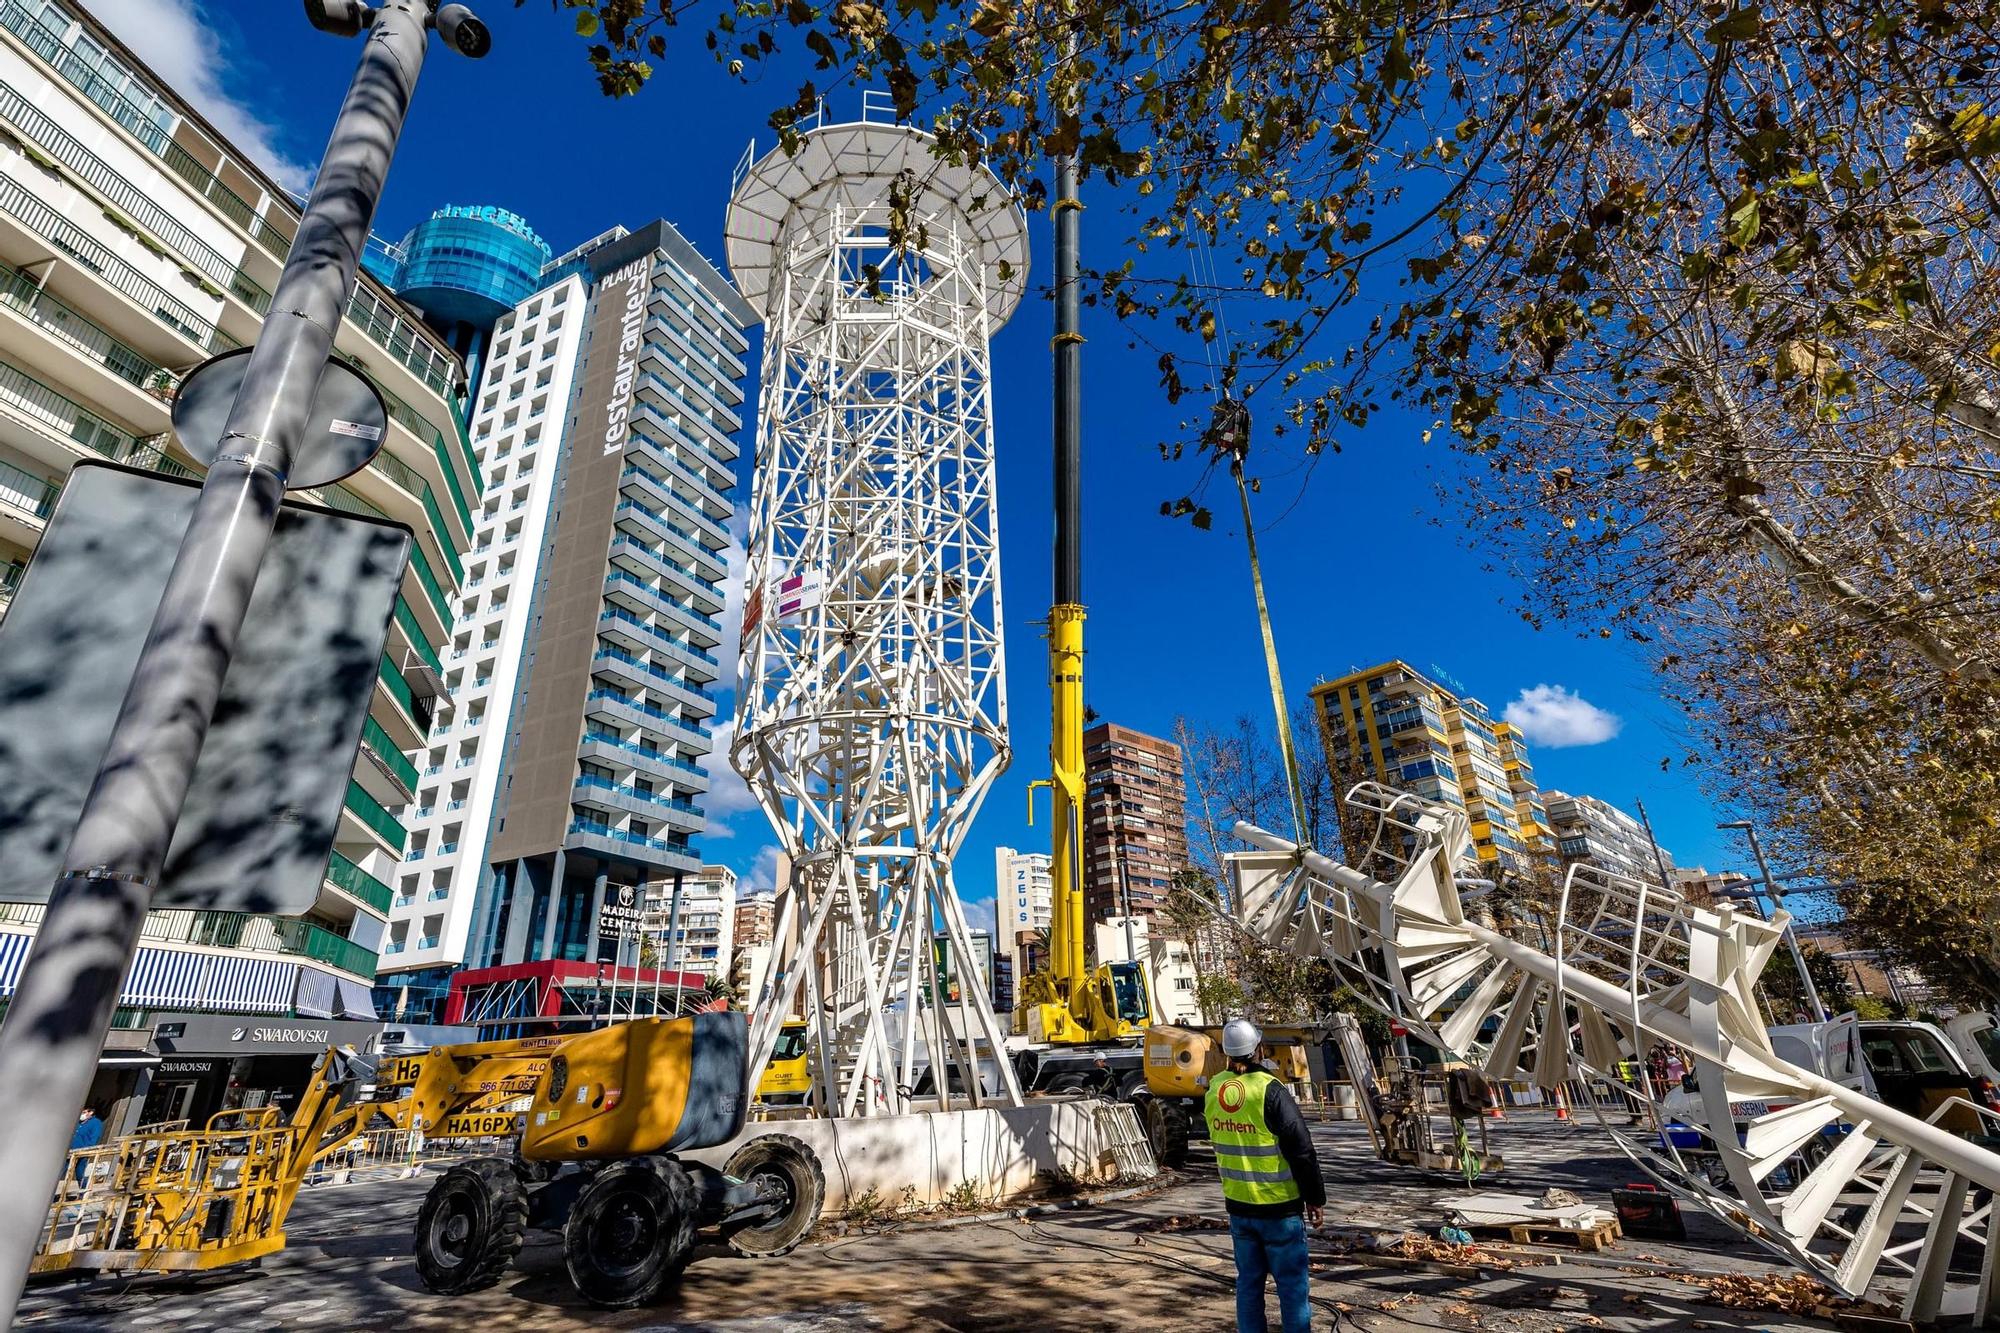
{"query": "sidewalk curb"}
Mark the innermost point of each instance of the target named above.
(1166, 1178)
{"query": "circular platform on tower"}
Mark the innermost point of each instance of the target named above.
(853, 163)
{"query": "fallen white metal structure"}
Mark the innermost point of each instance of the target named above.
(1631, 965)
(874, 702)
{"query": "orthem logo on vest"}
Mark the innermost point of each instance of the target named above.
(1230, 1095)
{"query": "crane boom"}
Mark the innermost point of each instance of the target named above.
(1067, 1003)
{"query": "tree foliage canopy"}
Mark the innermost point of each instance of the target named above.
(1703, 290)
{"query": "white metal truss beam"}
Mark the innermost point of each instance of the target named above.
(1624, 965)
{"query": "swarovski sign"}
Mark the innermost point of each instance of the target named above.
(310, 1036)
(220, 1035)
(618, 408)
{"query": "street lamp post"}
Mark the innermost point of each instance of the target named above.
(63, 1002)
(1777, 900)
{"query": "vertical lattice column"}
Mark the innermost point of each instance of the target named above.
(874, 700)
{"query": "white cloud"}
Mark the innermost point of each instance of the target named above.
(1559, 718)
(728, 795)
(982, 914)
(179, 43)
(762, 876)
(738, 557)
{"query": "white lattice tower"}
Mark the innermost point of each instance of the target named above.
(874, 701)
(1886, 1194)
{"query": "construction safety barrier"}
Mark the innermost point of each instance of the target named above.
(393, 1154)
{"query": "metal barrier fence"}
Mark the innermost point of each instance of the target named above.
(393, 1154)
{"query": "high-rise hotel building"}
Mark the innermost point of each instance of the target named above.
(136, 242)
(583, 660)
(1393, 724)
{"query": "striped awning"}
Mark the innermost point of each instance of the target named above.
(172, 978)
(183, 979)
(13, 953)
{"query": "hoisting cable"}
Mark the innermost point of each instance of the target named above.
(1229, 432)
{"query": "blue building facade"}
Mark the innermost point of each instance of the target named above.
(464, 266)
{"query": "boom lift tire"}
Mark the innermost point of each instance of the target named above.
(783, 1165)
(471, 1226)
(631, 1231)
(1167, 1126)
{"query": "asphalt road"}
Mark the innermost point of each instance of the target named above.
(1114, 1265)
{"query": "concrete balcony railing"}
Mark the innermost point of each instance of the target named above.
(375, 817)
(358, 883)
(31, 212)
(25, 491)
(380, 322)
(285, 936)
(21, 294)
(63, 417)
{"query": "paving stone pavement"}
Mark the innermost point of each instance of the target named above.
(1100, 1267)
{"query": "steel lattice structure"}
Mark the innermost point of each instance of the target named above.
(1626, 964)
(874, 700)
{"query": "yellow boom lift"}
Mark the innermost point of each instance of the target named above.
(593, 1123)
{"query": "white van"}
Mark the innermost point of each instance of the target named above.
(1913, 1067)
(1976, 1038)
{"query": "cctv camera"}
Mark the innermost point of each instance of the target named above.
(342, 18)
(464, 31)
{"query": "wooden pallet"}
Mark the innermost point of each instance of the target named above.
(1534, 1233)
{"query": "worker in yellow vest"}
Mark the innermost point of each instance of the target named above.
(1271, 1183)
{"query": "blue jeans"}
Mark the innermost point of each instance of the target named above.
(1275, 1246)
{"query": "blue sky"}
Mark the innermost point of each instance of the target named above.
(1368, 566)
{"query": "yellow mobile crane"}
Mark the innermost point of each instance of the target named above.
(1083, 1024)
(592, 1122)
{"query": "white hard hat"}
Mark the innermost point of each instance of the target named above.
(1240, 1037)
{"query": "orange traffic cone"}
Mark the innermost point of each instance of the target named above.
(1562, 1108)
(1493, 1109)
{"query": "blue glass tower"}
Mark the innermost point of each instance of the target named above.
(464, 267)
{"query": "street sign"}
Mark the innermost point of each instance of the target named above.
(345, 430)
(266, 793)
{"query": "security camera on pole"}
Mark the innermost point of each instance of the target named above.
(62, 1006)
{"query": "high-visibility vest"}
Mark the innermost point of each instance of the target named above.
(1246, 1153)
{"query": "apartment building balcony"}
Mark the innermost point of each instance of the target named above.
(619, 663)
(375, 824)
(599, 836)
(648, 760)
(724, 368)
(655, 517)
(661, 363)
(220, 186)
(352, 881)
(268, 936)
(614, 706)
(689, 484)
(625, 589)
(26, 501)
(704, 448)
(643, 556)
(676, 289)
(604, 795)
(639, 635)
